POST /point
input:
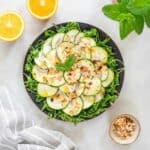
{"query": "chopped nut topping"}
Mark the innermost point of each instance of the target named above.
(124, 127)
(73, 95)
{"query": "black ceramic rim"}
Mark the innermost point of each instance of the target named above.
(83, 26)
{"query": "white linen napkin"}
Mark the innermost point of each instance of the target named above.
(20, 133)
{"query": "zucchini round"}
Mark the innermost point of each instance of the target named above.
(86, 68)
(81, 52)
(88, 101)
(51, 58)
(45, 90)
(70, 36)
(72, 76)
(78, 37)
(87, 42)
(57, 39)
(104, 72)
(55, 78)
(109, 79)
(73, 90)
(40, 61)
(47, 46)
(80, 90)
(98, 53)
(39, 74)
(92, 86)
(99, 96)
(74, 107)
(64, 50)
(58, 101)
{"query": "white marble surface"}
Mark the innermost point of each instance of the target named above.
(134, 97)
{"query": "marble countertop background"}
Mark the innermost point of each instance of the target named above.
(135, 94)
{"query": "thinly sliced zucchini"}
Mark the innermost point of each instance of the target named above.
(99, 96)
(78, 37)
(40, 61)
(58, 101)
(88, 101)
(45, 90)
(81, 52)
(51, 58)
(98, 66)
(70, 36)
(104, 72)
(98, 53)
(80, 90)
(39, 74)
(72, 76)
(55, 78)
(87, 42)
(92, 86)
(57, 39)
(74, 107)
(47, 46)
(86, 68)
(109, 79)
(73, 90)
(64, 50)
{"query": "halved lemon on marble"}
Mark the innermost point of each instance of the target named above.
(42, 9)
(11, 26)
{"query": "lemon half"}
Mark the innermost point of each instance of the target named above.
(11, 26)
(42, 9)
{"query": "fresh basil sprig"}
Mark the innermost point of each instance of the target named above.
(67, 65)
(131, 15)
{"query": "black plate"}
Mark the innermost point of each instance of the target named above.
(83, 26)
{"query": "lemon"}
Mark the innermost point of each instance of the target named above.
(42, 9)
(11, 26)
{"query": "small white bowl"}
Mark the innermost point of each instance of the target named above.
(128, 140)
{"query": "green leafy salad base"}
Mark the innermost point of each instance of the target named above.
(111, 92)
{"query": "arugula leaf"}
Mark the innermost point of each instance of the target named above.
(67, 65)
(91, 33)
(68, 27)
(49, 33)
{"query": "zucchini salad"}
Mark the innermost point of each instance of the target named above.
(71, 74)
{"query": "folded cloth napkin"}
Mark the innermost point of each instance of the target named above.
(17, 132)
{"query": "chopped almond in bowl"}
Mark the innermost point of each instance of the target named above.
(124, 129)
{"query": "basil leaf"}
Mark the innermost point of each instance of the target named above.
(69, 62)
(147, 18)
(112, 11)
(124, 1)
(131, 14)
(67, 65)
(139, 26)
(127, 24)
(60, 67)
(139, 7)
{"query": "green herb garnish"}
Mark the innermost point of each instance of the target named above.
(131, 15)
(67, 65)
